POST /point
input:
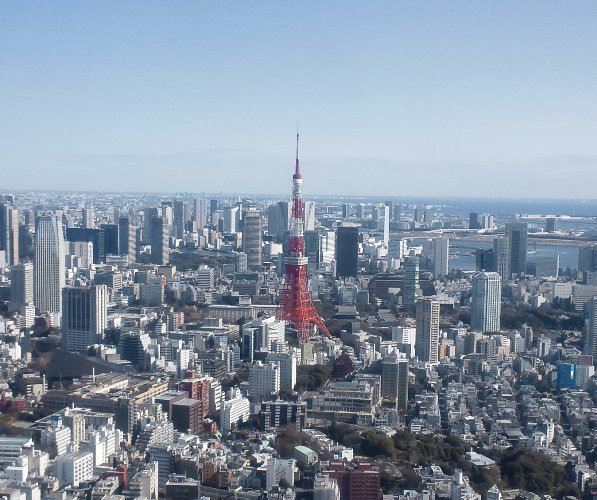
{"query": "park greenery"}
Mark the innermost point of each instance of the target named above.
(515, 467)
(312, 377)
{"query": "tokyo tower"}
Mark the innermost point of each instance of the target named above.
(296, 305)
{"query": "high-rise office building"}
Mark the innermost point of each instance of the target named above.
(241, 262)
(501, 258)
(231, 219)
(111, 238)
(394, 379)
(347, 251)
(473, 221)
(591, 327)
(9, 232)
(360, 211)
(397, 248)
(200, 212)
(386, 225)
(345, 210)
(376, 213)
(313, 248)
(88, 218)
(21, 285)
(178, 218)
(26, 238)
(278, 219)
(419, 213)
(127, 237)
(587, 259)
(484, 259)
(214, 208)
(486, 302)
(148, 215)
(517, 233)
(410, 282)
(182, 213)
(309, 215)
(441, 251)
(252, 238)
(427, 343)
(96, 236)
(160, 249)
(167, 213)
(84, 317)
(48, 266)
(397, 215)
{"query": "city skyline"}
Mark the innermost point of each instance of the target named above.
(429, 99)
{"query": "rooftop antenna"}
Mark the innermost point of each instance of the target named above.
(297, 169)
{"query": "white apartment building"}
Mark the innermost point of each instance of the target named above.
(278, 469)
(236, 409)
(264, 379)
(74, 468)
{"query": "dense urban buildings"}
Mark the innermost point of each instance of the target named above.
(156, 331)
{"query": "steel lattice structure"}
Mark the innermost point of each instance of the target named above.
(296, 305)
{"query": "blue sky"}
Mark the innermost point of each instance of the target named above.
(493, 98)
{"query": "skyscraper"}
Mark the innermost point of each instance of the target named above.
(127, 239)
(441, 251)
(48, 266)
(501, 258)
(484, 259)
(386, 224)
(200, 212)
(360, 210)
(214, 207)
(587, 258)
(473, 220)
(182, 213)
(111, 238)
(84, 317)
(9, 232)
(410, 282)
(88, 218)
(278, 219)
(516, 233)
(397, 212)
(394, 379)
(179, 218)
(313, 248)
(96, 236)
(591, 327)
(21, 285)
(347, 251)
(252, 238)
(486, 302)
(345, 210)
(309, 215)
(160, 249)
(231, 219)
(427, 343)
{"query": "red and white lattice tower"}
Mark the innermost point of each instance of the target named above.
(296, 305)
